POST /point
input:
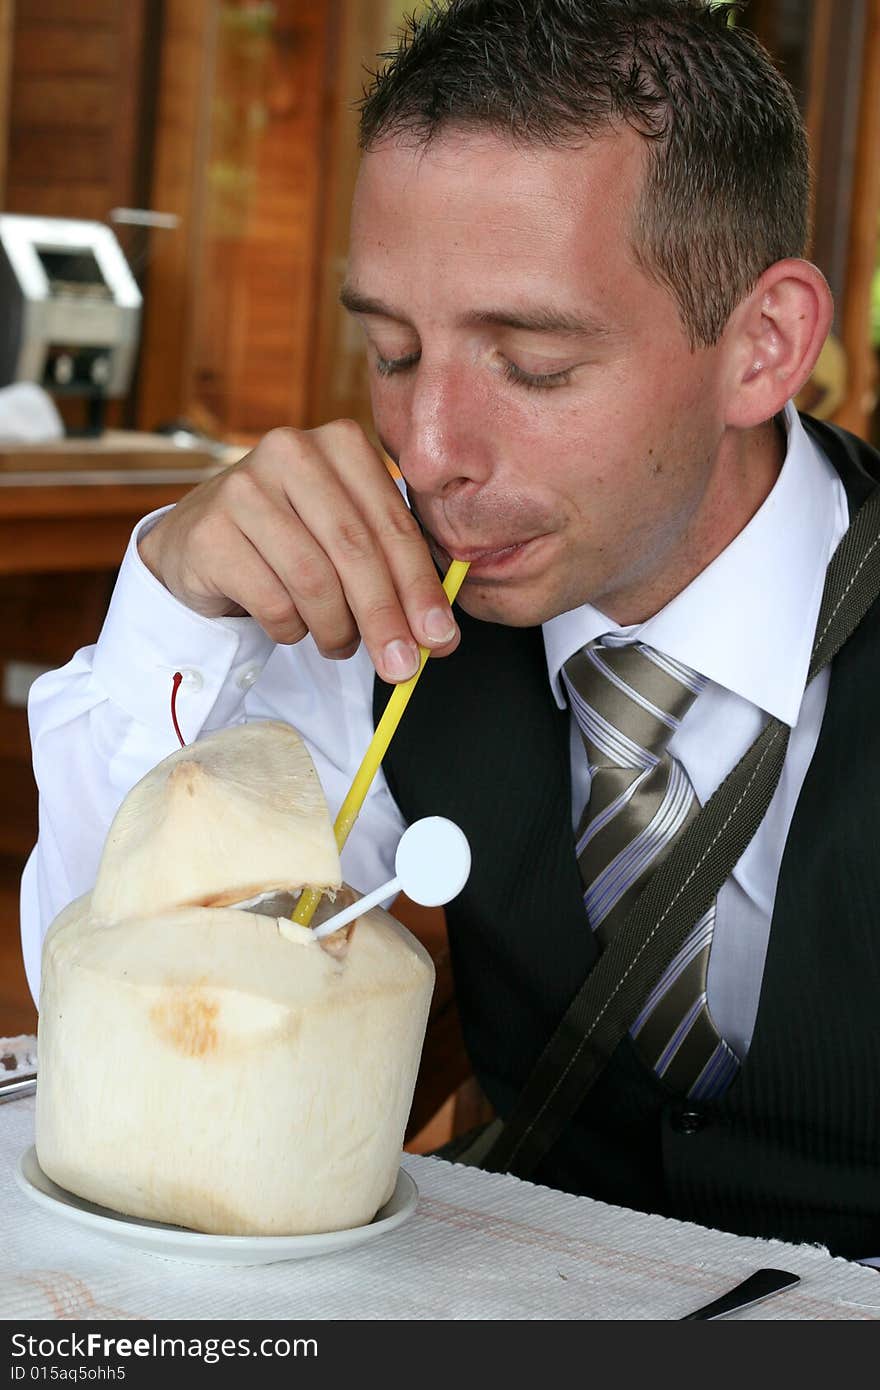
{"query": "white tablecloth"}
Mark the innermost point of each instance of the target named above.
(478, 1246)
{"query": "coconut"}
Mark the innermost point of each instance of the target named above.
(214, 1067)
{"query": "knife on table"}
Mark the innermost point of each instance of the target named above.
(760, 1285)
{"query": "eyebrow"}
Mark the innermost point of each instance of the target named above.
(533, 320)
(541, 320)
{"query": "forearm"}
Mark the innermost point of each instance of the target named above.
(103, 721)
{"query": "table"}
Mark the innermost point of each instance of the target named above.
(71, 505)
(479, 1246)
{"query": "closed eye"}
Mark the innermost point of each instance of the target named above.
(540, 381)
(387, 366)
(536, 381)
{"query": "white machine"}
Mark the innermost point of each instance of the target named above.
(69, 307)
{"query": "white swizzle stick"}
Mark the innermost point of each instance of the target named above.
(432, 864)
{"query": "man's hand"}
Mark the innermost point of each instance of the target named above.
(309, 533)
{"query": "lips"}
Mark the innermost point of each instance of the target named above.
(506, 564)
(473, 554)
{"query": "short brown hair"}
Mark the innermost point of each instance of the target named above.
(726, 189)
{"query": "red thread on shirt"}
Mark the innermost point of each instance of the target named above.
(175, 686)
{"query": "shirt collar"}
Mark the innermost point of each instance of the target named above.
(747, 621)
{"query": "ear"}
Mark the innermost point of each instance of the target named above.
(774, 337)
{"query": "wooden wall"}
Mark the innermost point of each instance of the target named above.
(242, 122)
(257, 290)
(243, 329)
(75, 105)
(6, 17)
(80, 119)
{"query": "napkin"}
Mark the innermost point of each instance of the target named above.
(28, 414)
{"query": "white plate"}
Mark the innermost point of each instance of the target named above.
(177, 1243)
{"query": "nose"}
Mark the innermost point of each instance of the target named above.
(444, 442)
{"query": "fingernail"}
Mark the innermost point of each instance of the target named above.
(401, 660)
(439, 625)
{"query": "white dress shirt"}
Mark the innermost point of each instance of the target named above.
(746, 623)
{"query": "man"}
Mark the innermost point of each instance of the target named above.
(576, 254)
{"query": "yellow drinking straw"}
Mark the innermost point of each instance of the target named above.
(353, 802)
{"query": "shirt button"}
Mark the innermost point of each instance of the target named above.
(248, 676)
(191, 680)
(687, 1121)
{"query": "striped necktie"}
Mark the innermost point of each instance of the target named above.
(628, 702)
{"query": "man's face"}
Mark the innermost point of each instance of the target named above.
(534, 385)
